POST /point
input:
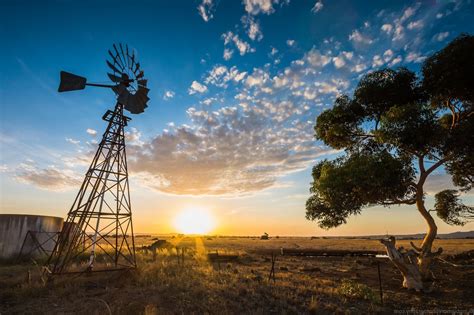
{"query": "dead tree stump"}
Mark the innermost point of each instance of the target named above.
(406, 262)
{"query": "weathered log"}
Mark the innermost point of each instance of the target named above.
(406, 262)
(310, 252)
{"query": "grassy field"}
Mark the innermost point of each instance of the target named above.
(165, 285)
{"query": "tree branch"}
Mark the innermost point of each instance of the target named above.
(421, 164)
(436, 165)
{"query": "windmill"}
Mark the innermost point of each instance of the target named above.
(98, 232)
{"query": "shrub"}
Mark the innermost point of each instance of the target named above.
(352, 289)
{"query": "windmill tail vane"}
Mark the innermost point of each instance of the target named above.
(98, 232)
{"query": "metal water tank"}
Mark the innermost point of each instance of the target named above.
(15, 227)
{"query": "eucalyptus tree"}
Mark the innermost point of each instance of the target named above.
(396, 130)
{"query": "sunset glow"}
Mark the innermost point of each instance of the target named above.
(194, 221)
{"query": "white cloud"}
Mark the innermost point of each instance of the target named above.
(395, 61)
(348, 54)
(92, 132)
(253, 28)
(206, 9)
(242, 46)
(318, 6)
(388, 55)
(358, 37)
(309, 94)
(73, 141)
(49, 178)
(227, 151)
(133, 137)
(168, 95)
(280, 81)
(290, 42)
(333, 86)
(398, 34)
(409, 12)
(341, 60)
(257, 78)
(208, 101)
(338, 62)
(415, 25)
(399, 30)
(228, 53)
(316, 59)
(377, 61)
(441, 36)
(387, 28)
(259, 6)
(274, 51)
(220, 75)
(414, 57)
(359, 67)
(197, 87)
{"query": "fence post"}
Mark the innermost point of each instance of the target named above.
(272, 270)
(380, 283)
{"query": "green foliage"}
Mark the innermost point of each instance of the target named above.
(379, 91)
(449, 208)
(460, 147)
(410, 128)
(340, 125)
(392, 120)
(343, 186)
(354, 290)
(448, 74)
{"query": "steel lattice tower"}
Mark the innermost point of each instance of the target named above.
(98, 232)
(100, 219)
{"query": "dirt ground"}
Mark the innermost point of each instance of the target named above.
(302, 285)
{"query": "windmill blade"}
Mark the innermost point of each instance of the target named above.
(118, 55)
(137, 65)
(123, 54)
(128, 58)
(115, 60)
(133, 60)
(135, 105)
(114, 78)
(140, 75)
(142, 82)
(132, 105)
(143, 89)
(111, 66)
(142, 96)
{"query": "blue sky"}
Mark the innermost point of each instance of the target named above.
(235, 89)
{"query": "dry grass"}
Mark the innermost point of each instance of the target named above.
(303, 285)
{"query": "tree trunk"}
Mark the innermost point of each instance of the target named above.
(425, 256)
(415, 265)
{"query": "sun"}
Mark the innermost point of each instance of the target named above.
(194, 221)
